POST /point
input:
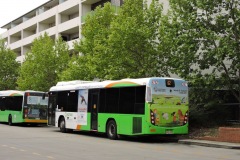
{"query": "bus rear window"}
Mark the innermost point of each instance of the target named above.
(170, 83)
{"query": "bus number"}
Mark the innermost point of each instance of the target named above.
(170, 83)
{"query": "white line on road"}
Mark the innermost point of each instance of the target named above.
(36, 154)
(50, 157)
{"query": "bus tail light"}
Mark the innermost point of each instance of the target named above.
(25, 112)
(152, 118)
(185, 118)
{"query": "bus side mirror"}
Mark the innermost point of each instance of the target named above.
(44, 95)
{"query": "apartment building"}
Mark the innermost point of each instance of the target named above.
(56, 17)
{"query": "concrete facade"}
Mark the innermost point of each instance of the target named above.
(56, 17)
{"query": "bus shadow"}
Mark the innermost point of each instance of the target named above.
(139, 139)
(86, 134)
(34, 125)
(24, 125)
(150, 139)
(92, 134)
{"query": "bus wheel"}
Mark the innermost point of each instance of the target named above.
(112, 130)
(10, 120)
(62, 125)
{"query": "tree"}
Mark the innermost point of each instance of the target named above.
(134, 40)
(203, 39)
(205, 42)
(77, 69)
(43, 64)
(121, 45)
(9, 67)
(95, 58)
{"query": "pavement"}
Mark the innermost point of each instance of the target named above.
(206, 143)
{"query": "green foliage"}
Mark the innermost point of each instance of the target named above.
(134, 41)
(207, 109)
(203, 38)
(77, 69)
(9, 67)
(43, 64)
(120, 45)
(93, 47)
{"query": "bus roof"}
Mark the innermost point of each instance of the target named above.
(11, 93)
(75, 85)
(16, 92)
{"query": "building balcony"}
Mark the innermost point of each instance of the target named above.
(49, 13)
(69, 24)
(15, 45)
(67, 5)
(89, 1)
(20, 58)
(71, 43)
(28, 40)
(50, 31)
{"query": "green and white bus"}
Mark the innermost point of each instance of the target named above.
(23, 107)
(145, 106)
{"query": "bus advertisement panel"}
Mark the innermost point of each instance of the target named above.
(82, 107)
(168, 103)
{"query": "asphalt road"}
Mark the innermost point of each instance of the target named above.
(47, 143)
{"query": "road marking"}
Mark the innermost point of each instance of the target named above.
(4, 145)
(36, 154)
(50, 157)
(22, 150)
(13, 147)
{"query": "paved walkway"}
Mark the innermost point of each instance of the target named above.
(210, 143)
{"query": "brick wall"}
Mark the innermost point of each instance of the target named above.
(227, 134)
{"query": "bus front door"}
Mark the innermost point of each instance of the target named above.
(94, 111)
(52, 108)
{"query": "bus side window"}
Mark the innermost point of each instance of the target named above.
(140, 100)
(68, 101)
(2, 105)
(62, 100)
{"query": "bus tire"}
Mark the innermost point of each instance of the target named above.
(112, 130)
(10, 120)
(62, 125)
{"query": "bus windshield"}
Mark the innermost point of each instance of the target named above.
(35, 106)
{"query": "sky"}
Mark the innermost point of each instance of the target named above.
(12, 9)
